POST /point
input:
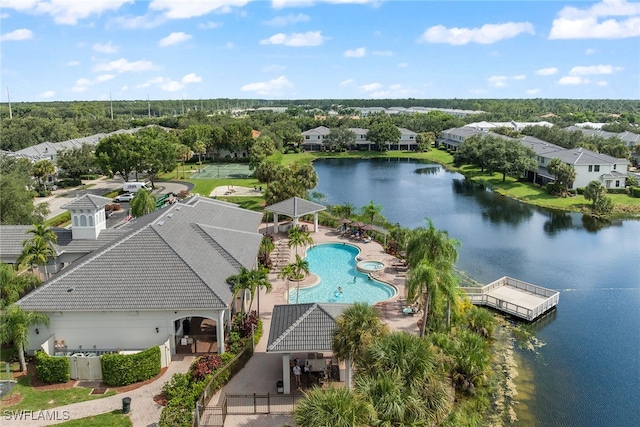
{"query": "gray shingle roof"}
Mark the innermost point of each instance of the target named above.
(303, 327)
(295, 207)
(582, 156)
(181, 260)
(87, 201)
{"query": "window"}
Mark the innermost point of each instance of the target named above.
(306, 137)
(617, 183)
(590, 168)
(83, 221)
(596, 168)
(90, 221)
(75, 220)
(614, 166)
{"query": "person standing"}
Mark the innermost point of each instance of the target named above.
(296, 374)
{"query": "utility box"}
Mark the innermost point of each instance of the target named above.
(280, 387)
(126, 405)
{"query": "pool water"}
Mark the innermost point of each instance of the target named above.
(335, 265)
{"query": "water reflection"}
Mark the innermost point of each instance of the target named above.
(496, 209)
(429, 170)
(558, 221)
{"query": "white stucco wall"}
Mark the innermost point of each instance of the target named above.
(113, 330)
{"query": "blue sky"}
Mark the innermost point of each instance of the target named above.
(60, 50)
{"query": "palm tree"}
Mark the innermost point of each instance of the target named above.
(472, 360)
(299, 268)
(38, 249)
(400, 377)
(431, 255)
(371, 211)
(249, 281)
(335, 407)
(258, 279)
(14, 328)
(240, 283)
(287, 273)
(356, 328)
(297, 237)
(42, 169)
(142, 203)
(266, 247)
(13, 286)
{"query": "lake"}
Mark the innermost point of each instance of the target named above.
(588, 371)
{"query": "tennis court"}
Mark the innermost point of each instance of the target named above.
(223, 170)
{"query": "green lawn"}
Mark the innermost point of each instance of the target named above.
(625, 206)
(110, 419)
(34, 399)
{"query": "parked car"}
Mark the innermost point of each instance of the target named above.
(126, 197)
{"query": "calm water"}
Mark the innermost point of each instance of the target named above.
(335, 264)
(588, 373)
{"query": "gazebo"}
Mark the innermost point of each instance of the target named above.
(295, 207)
(301, 328)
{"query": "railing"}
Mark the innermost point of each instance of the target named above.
(247, 404)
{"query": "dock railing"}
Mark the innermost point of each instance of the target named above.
(481, 296)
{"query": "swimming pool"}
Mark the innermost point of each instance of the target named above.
(335, 265)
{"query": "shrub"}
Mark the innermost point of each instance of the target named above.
(580, 190)
(205, 365)
(635, 191)
(52, 369)
(89, 177)
(124, 369)
(69, 182)
(617, 190)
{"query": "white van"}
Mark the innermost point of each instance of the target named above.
(132, 187)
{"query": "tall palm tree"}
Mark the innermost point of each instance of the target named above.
(335, 407)
(266, 247)
(240, 284)
(299, 267)
(38, 249)
(14, 328)
(249, 281)
(356, 328)
(41, 169)
(297, 237)
(431, 254)
(257, 280)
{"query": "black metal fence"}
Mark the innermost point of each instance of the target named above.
(247, 404)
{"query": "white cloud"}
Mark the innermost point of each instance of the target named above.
(609, 19)
(209, 25)
(71, 11)
(191, 78)
(589, 51)
(152, 81)
(274, 68)
(382, 53)
(371, 87)
(520, 77)
(4, 15)
(403, 64)
(174, 39)
(498, 81)
(123, 65)
(47, 94)
(21, 34)
(355, 53)
(547, 71)
(73, 63)
(347, 82)
(269, 88)
(144, 21)
(310, 38)
(171, 86)
(572, 80)
(104, 78)
(105, 48)
(173, 9)
(393, 91)
(478, 91)
(282, 21)
(602, 83)
(229, 45)
(594, 69)
(533, 91)
(487, 34)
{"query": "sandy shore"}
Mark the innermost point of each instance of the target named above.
(235, 191)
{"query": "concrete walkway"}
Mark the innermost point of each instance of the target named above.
(144, 410)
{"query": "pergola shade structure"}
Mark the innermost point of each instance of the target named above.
(302, 328)
(295, 208)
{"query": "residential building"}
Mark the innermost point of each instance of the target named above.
(629, 138)
(152, 281)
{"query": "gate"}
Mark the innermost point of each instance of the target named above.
(247, 404)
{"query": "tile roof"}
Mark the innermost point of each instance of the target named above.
(295, 207)
(180, 260)
(303, 327)
(87, 201)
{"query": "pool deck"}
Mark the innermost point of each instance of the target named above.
(264, 369)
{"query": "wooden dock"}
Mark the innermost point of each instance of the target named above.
(515, 297)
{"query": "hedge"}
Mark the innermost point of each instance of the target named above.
(52, 369)
(125, 369)
(635, 191)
